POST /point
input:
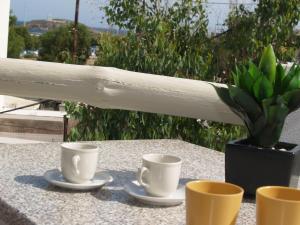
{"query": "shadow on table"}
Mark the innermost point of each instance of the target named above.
(115, 192)
(41, 183)
(249, 199)
(34, 181)
(110, 192)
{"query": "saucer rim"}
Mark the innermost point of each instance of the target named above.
(154, 200)
(83, 186)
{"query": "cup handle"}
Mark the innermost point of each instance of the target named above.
(75, 160)
(140, 176)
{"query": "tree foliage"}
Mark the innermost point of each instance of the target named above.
(272, 22)
(16, 42)
(30, 42)
(161, 40)
(57, 44)
(20, 39)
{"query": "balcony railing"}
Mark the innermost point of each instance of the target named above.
(113, 88)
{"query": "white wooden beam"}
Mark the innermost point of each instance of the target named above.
(4, 26)
(113, 88)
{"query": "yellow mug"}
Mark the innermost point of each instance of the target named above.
(212, 203)
(277, 206)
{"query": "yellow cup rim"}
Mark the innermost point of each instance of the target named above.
(240, 189)
(259, 192)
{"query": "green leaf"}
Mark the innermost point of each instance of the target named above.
(269, 127)
(280, 74)
(254, 71)
(224, 95)
(241, 103)
(262, 88)
(246, 82)
(275, 113)
(294, 82)
(287, 79)
(285, 83)
(292, 99)
(258, 126)
(268, 63)
(275, 109)
(235, 79)
(245, 102)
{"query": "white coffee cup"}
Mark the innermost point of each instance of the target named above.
(159, 174)
(78, 162)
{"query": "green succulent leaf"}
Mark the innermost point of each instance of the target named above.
(295, 81)
(287, 79)
(258, 126)
(235, 79)
(292, 99)
(224, 95)
(280, 74)
(246, 82)
(237, 76)
(254, 71)
(262, 89)
(275, 109)
(268, 63)
(275, 115)
(245, 102)
(285, 83)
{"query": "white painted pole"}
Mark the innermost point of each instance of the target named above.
(113, 88)
(4, 26)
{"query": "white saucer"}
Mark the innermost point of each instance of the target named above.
(135, 190)
(55, 177)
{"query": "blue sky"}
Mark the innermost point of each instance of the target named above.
(90, 13)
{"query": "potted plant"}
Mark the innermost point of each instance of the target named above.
(262, 97)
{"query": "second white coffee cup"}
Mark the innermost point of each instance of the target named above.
(159, 174)
(79, 162)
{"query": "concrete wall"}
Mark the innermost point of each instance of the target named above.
(4, 21)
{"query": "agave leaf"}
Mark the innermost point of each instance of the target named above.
(236, 75)
(269, 136)
(258, 126)
(285, 83)
(269, 126)
(235, 79)
(237, 70)
(274, 108)
(254, 71)
(295, 81)
(292, 99)
(245, 102)
(288, 78)
(275, 116)
(262, 89)
(267, 63)
(224, 95)
(246, 82)
(244, 69)
(280, 74)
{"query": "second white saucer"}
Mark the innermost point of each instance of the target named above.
(56, 178)
(138, 192)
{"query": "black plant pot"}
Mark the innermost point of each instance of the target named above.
(251, 167)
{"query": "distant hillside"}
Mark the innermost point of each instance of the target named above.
(38, 27)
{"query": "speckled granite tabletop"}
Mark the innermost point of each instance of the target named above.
(26, 198)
